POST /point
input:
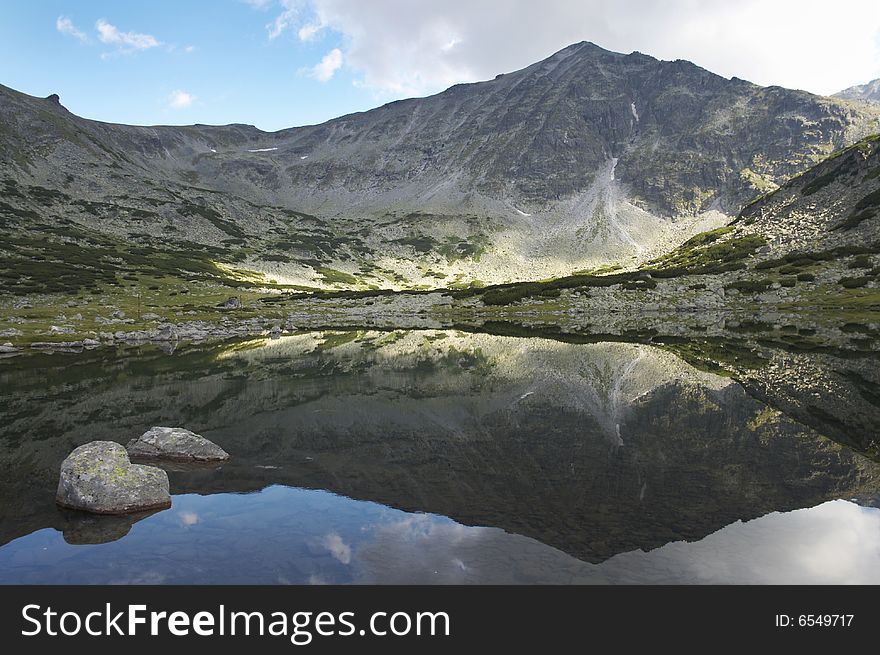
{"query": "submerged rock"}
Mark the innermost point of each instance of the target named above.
(176, 444)
(99, 477)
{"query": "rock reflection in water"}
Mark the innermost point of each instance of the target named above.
(80, 528)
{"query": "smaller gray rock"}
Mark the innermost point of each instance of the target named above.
(175, 444)
(91, 343)
(99, 477)
(8, 348)
(231, 303)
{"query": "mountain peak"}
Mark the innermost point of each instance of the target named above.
(585, 49)
(582, 158)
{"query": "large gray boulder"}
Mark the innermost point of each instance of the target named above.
(98, 477)
(175, 444)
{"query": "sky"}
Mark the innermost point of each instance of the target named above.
(284, 63)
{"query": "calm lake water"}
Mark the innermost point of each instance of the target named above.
(450, 457)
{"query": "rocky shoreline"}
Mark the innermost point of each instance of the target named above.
(686, 307)
(164, 335)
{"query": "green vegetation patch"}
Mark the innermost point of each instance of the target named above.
(67, 258)
(319, 244)
(332, 276)
(862, 261)
(452, 248)
(422, 244)
(707, 253)
(819, 183)
(796, 261)
(212, 216)
(750, 286)
(854, 282)
(45, 196)
(864, 209)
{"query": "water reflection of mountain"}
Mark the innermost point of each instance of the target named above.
(595, 449)
(837, 396)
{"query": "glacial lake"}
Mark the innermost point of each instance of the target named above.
(448, 457)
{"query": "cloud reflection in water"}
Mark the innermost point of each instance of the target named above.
(299, 536)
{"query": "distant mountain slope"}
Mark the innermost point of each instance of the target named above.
(869, 92)
(585, 158)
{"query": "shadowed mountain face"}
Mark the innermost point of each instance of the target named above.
(583, 158)
(594, 449)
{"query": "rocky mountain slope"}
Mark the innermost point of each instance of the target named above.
(834, 204)
(585, 158)
(813, 244)
(869, 92)
(797, 263)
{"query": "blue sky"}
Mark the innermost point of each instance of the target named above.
(282, 63)
(218, 53)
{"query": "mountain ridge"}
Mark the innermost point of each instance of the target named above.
(868, 92)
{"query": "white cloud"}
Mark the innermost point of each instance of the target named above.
(401, 48)
(64, 25)
(290, 9)
(837, 542)
(188, 518)
(180, 99)
(326, 68)
(189, 49)
(340, 550)
(258, 4)
(126, 42)
(308, 31)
